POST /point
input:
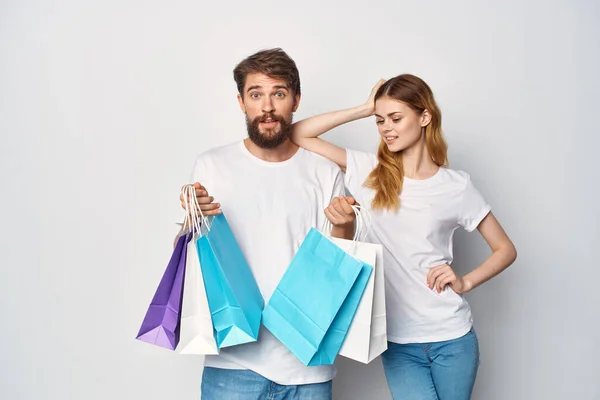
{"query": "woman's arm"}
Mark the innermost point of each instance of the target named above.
(503, 255)
(305, 133)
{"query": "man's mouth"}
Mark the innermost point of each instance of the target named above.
(269, 122)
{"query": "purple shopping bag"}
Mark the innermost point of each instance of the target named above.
(162, 320)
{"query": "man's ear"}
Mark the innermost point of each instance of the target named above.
(296, 102)
(241, 102)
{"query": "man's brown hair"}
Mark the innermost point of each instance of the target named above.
(274, 63)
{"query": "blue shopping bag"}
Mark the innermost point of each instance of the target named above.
(334, 338)
(233, 296)
(321, 284)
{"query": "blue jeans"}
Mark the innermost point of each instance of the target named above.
(235, 384)
(432, 371)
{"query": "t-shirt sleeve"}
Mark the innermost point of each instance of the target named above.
(338, 185)
(193, 177)
(474, 208)
(358, 166)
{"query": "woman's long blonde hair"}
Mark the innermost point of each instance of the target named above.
(387, 178)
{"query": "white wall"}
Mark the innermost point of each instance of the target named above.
(104, 105)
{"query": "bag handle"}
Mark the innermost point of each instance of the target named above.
(328, 226)
(194, 214)
(190, 219)
(369, 224)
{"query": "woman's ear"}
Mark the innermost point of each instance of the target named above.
(425, 118)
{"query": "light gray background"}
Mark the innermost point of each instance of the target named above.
(104, 106)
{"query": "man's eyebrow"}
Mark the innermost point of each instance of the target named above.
(278, 87)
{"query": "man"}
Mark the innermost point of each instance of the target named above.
(272, 193)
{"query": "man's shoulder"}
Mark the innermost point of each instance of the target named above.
(319, 162)
(220, 153)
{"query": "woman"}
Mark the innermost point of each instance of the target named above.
(416, 204)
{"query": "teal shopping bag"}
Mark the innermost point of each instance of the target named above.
(334, 338)
(234, 300)
(313, 305)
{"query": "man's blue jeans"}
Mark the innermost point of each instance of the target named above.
(234, 384)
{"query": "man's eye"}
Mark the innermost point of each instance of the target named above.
(280, 94)
(255, 95)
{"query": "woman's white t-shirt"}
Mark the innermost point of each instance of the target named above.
(415, 239)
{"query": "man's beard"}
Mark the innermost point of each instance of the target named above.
(272, 138)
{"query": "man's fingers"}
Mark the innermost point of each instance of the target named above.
(340, 205)
(346, 205)
(213, 212)
(205, 199)
(330, 216)
(335, 213)
(209, 207)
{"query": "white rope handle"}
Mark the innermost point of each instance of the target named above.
(195, 217)
(328, 226)
(190, 218)
(368, 225)
(193, 212)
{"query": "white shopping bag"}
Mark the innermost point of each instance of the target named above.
(196, 331)
(367, 336)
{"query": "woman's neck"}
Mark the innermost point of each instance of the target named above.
(417, 162)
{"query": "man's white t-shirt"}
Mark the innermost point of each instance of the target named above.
(270, 207)
(415, 239)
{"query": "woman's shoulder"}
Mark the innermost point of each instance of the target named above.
(456, 175)
(362, 159)
(452, 180)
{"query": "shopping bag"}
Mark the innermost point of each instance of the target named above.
(367, 337)
(234, 299)
(161, 323)
(336, 334)
(197, 332)
(321, 284)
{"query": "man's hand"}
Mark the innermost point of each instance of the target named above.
(340, 212)
(206, 202)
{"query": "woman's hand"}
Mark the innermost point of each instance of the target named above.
(443, 275)
(370, 104)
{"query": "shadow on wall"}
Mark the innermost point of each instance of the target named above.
(357, 381)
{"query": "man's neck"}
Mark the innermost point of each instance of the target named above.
(283, 152)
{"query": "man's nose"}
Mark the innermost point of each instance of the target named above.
(267, 106)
